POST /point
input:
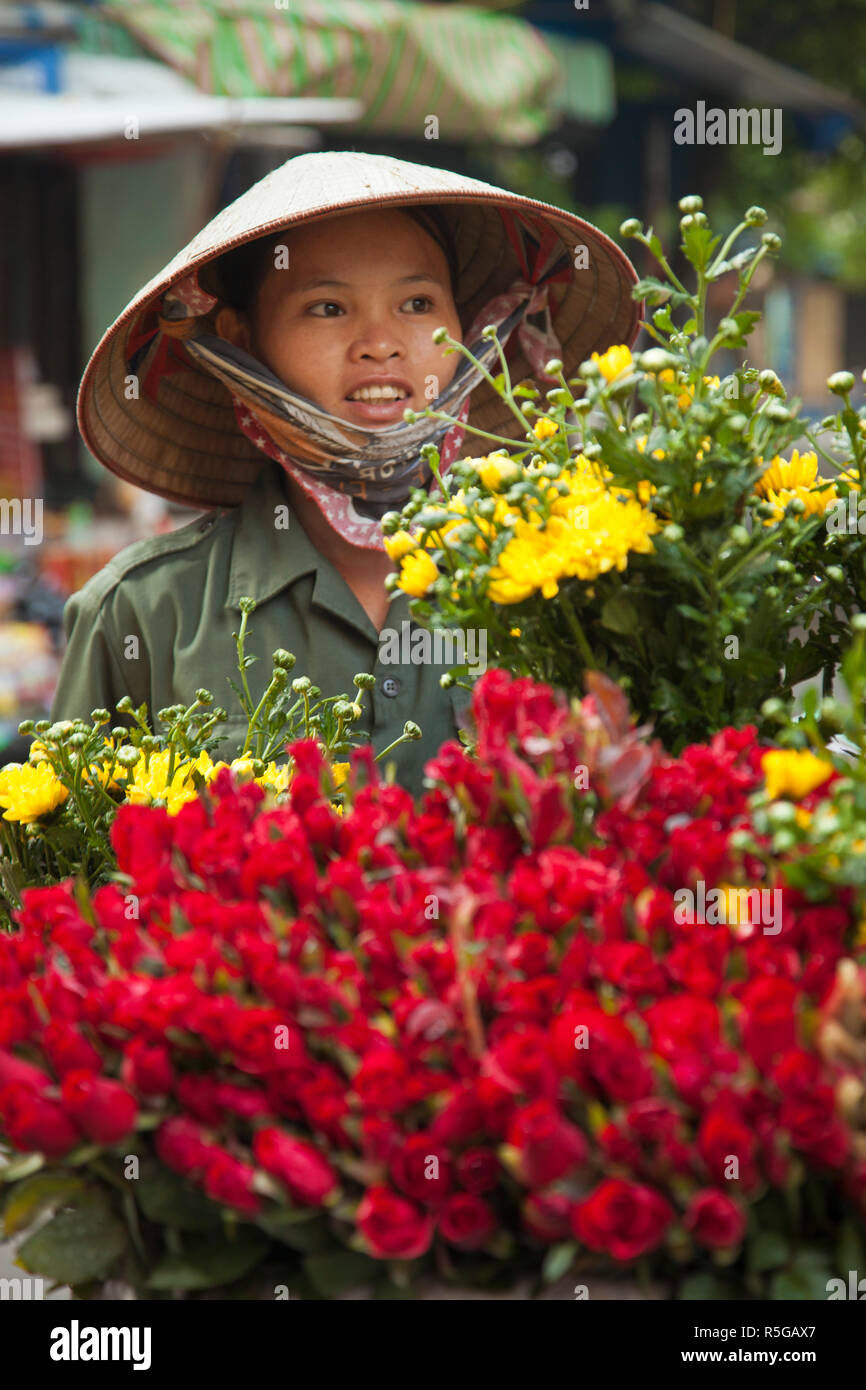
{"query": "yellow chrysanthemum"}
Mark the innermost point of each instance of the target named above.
(544, 428)
(783, 475)
(613, 363)
(496, 471)
(28, 791)
(417, 573)
(147, 784)
(686, 389)
(514, 632)
(793, 774)
(400, 544)
(591, 530)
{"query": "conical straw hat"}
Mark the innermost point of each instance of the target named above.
(184, 443)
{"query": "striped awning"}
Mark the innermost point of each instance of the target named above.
(480, 75)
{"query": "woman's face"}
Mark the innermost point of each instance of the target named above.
(357, 303)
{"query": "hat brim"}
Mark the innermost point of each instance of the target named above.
(184, 443)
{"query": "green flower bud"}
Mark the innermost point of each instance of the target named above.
(631, 227)
(279, 678)
(446, 681)
(774, 709)
(771, 241)
(440, 335)
(841, 383)
(127, 756)
(769, 382)
(409, 416)
(204, 697)
(778, 412)
(729, 328)
(302, 685)
(412, 731)
(364, 680)
(691, 203)
(858, 622)
(391, 521)
(673, 532)
(739, 535)
(589, 370)
(489, 332)
(552, 367)
(283, 658)
(124, 705)
(591, 451)
(755, 217)
(26, 726)
(693, 219)
(797, 506)
(118, 733)
(247, 605)
(557, 396)
(656, 360)
(785, 567)
(582, 407)
(835, 574)
(99, 716)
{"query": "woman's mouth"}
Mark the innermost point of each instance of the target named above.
(378, 404)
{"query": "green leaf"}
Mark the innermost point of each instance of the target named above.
(703, 1288)
(306, 1231)
(618, 615)
(338, 1271)
(768, 1250)
(22, 1167)
(558, 1261)
(76, 1246)
(207, 1262)
(33, 1195)
(167, 1200)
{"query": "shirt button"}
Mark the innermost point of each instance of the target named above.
(391, 687)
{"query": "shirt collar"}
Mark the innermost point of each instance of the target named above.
(267, 558)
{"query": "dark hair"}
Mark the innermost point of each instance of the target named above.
(236, 275)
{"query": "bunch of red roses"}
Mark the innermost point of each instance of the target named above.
(470, 1023)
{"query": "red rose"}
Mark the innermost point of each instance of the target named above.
(624, 1219)
(67, 1050)
(301, 1167)
(592, 1046)
(715, 1220)
(103, 1109)
(546, 1215)
(521, 1065)
(724, 1136)
(682, 1024)
(198, 1094)
(422, 1169)
(460, 1118)
(34, 1124)
(392, 1226)
(815, 1128)
(142, 839)
(381, 1080)
(478, 1170)
(147, 1068)
(182, 1146)
(770, 1020)
(230, 1181)
(14, 1070)
(466, 1221)
(547, 1144)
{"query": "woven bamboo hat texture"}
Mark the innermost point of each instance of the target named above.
(182, 441)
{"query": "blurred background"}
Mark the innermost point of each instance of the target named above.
(125, 126)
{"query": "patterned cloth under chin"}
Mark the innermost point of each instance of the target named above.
(354, 474)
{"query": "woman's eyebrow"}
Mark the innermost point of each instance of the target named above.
(321, 280)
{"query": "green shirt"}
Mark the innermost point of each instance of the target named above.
(178, 595)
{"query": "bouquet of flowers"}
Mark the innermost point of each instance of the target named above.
(566, 1012)
(58, 808)
(657, 524)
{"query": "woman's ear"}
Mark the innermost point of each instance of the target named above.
(232, 325)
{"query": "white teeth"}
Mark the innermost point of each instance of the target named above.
(379, 393)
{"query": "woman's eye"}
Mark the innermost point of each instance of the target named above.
(324, 304)
(420, 299)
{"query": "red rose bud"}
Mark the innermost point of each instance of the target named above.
(392, 1226)
(182, 1146)
(230, 1181)
(103, 1109)
(715, 1220)
(466, 1221)
(547, 1145)
(422, 1169)
(301, 1167)
(35, 1125)
(478, 1170)
(14, 1071)
(147, 1068)
(546, 1215)
(67, 1050)
(623, 1219)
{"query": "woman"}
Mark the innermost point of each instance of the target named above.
(264, 375)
